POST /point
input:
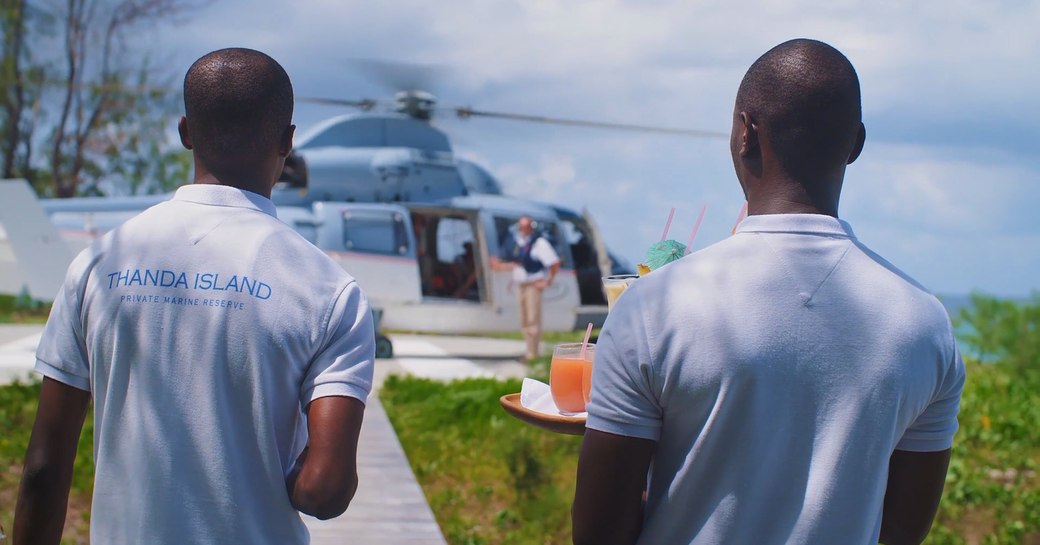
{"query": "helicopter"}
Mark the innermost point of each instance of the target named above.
(383, 193)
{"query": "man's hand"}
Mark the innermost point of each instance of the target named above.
(325, 476)
(608, 501)
(915, 485)
(43, 497)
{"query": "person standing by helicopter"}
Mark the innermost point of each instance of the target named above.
(534, 263)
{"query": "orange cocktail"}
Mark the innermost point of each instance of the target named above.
(565, 375)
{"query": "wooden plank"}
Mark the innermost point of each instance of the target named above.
(389, 507)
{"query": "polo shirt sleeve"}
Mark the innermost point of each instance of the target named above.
(933, 430)
(623, 399)
(545, 252)
(345, 363)
(62, 352)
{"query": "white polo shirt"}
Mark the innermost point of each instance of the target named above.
(202, 327)
(777, 370)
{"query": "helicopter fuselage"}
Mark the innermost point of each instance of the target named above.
(385, 196)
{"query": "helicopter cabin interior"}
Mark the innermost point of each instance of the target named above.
(447, 251)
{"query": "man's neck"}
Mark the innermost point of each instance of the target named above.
(209, 179)
(248, 181)
(787, 197)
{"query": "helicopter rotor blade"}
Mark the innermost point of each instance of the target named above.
(365, 104)
(466, 113)
(401, 76)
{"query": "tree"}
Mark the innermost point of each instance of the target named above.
(1002, 330)
(109, 112)
(15, 128)
(132, 146)
(96, 96)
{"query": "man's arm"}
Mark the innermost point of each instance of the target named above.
(552, 272)
(43, 496)
(915, 485)
(325, 477)
(498, 265)
(608, 501)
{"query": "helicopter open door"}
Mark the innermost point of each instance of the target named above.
(451, 254)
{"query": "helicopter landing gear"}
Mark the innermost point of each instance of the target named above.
(384, 348)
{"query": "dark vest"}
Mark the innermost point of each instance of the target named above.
(524, 257)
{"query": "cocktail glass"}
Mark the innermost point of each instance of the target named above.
(565, 375)
(615, 285)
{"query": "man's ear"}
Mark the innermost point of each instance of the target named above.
(748, 137)
(285, 144)
(182, 130)
(861, 137)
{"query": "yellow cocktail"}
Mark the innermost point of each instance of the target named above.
(614, 286)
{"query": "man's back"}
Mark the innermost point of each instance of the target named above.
(206, 323)
(777, 371)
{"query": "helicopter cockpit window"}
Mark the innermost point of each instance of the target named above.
(375, 233)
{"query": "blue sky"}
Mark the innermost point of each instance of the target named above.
(946, 186)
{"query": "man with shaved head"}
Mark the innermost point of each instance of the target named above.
(229, 359)
(786, 385)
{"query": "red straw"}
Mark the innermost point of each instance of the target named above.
(740, 218)
(696, 227)
(668, 224)
(588, 333)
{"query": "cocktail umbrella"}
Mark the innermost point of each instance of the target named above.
(664, 252)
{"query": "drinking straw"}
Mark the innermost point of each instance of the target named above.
(585, 343)
(740, 218)
(696, 227)
(668, 224)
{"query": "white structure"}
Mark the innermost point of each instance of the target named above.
(33, 256)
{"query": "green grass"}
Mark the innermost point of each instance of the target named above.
(489, 478)
(19, 310)
(992, 490)
(17, 411)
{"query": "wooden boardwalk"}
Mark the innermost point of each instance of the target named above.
(389, 507)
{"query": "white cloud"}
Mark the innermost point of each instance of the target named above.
(920, 187)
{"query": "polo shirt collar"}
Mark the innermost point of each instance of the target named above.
(224, 195)
(811, 224)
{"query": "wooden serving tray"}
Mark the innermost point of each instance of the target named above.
(570, 425)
